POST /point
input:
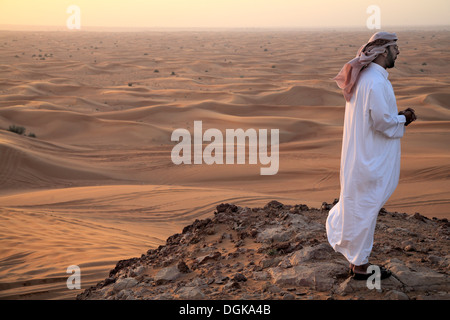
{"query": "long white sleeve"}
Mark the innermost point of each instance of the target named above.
(385, 119)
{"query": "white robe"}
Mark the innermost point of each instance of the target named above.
(370, 164)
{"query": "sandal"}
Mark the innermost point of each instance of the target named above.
(364, 276)
(350, 269)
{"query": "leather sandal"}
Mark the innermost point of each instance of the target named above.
(364, 276)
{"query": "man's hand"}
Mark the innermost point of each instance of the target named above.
(409, 114)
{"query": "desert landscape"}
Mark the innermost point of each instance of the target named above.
(90, 181)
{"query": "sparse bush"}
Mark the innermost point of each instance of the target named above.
(32, 135)
(17, 129)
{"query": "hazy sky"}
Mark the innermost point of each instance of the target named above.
(224, 13)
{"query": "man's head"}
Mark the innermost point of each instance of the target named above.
(392, 53)
(387, 40)
(381, 49)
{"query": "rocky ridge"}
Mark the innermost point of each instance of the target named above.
(281, 252)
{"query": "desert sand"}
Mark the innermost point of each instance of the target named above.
(97, 185)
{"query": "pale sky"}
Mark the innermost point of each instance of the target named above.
(224, 13)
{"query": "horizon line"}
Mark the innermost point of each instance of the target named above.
(21, 27)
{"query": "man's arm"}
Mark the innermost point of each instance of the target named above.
(384, 119)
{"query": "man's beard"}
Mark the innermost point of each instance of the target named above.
(390, 61)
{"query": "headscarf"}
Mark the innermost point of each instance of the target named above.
(349, 73)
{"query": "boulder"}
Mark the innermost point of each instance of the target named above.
(124, 283)
(274, 234)
(190, 293)
(417, 277)
(167, 274)
(320, 252)
(296, 276)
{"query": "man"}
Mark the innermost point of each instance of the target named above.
(370, 159)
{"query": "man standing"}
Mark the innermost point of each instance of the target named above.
(370, 159)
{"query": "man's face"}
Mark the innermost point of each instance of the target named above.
(393, 52)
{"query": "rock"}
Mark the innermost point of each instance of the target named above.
(323, 283)
(239, 243)
(288, 296)
(239, 277)
(354, 286)
(223, 207)
(319, 276)
(274, 204)
(261, 275)
(435, 259)
(167, 274)
(420, 217)
(182, 267)
(211, 256)
(285, 263)
(319, 252)
(270, 262)
(407, 243)
(350, 286)
(232, 285)
(221, 279)
(274, 234)
(299, 223)
(106, 292)
(124, 283)
(326, 206)
(108, 281)
(271, 288)
(190, 293)
(297, 276)
(136, 272)
(126, 295)
(398, 230)
(396, 295)
(164, 296)
(227, 236)
(418, 278)
(434, 296)
(197, 282)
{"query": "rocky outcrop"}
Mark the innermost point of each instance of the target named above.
(281, 252)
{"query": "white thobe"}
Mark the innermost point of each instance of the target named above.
(370, 164)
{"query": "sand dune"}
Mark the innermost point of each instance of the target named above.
(439, 99)
(97, 184)
(298, 96)
(107, 223)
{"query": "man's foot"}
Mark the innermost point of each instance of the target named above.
(350, 268)
(360, 272)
